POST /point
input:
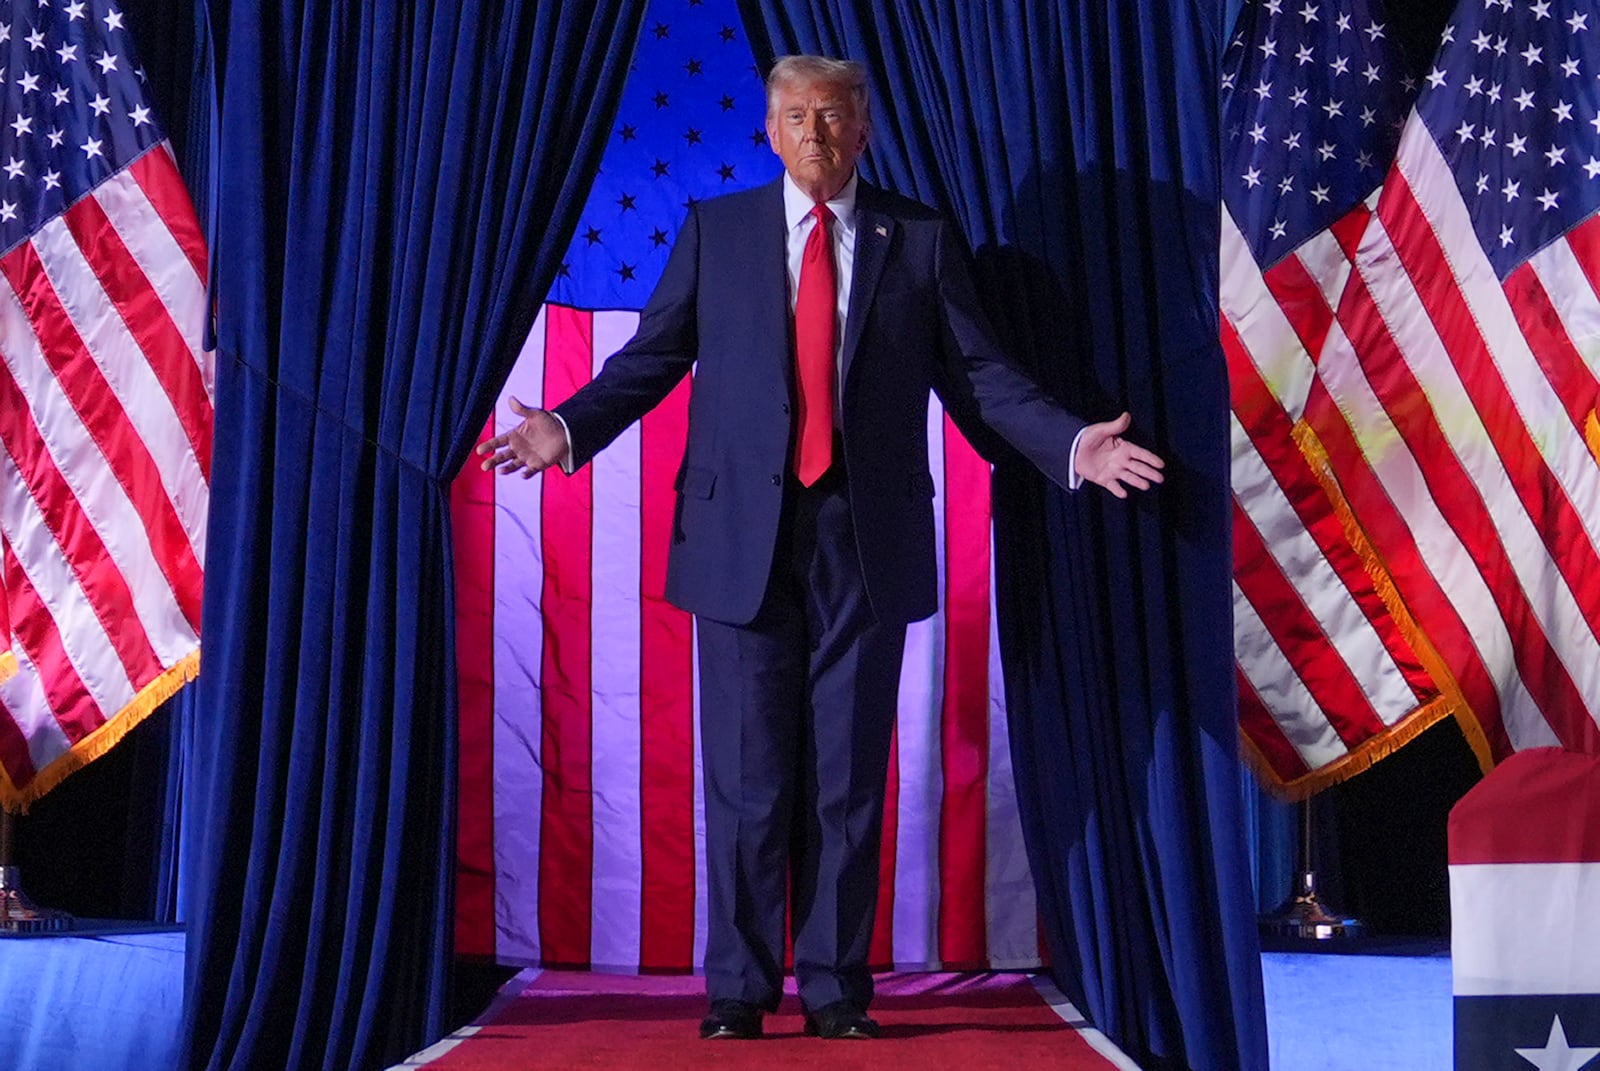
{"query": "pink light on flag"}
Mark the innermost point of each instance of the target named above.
(582, 822)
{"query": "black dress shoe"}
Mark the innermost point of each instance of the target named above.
(841, 1019)
(731, 1019)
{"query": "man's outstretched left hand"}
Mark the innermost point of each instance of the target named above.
(539, 442)
(1106, 458)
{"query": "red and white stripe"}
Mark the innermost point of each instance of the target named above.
(1524, 852)
(582, 822)
(1478, 477)
(105, 442)
(1327, 675)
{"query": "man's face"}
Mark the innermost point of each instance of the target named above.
(814, 129)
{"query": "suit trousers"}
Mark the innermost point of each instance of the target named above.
(797, 712)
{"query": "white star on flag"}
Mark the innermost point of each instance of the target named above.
(1557, 1055)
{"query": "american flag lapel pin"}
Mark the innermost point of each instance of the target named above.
(883, 232)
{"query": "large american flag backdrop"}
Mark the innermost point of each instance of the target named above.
(581, 831)
(105, 397)
(1413, 358)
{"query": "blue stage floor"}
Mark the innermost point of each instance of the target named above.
(107, 997)
(110, 999)
(1354, 1012)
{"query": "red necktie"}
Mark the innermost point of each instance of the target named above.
(815, 317)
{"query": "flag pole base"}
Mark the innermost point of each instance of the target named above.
(1304, 915)
(18, 914)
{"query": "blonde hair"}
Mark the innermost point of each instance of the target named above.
(791, 71)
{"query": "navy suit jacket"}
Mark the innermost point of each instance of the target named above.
(722, 308)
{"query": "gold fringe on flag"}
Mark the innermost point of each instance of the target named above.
(1361, 758)
(102, 739)
(1450, 701)
(8, 666)
(1591, 434)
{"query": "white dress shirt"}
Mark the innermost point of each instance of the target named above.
(798, 222)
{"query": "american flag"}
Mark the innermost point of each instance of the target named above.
(1332, 669)
(1464, 366)
(1450, 389)
(581, 833)
(105, 395)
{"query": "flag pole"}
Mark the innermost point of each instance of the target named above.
(18, 914)
(1305, 914)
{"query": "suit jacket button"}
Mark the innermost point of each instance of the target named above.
(777, 481)
(786, 408)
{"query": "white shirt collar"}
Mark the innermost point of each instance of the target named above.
(797, 205)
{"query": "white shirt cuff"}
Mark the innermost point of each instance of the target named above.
(1074, 480)
(566, 459)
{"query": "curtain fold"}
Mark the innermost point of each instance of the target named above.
(395, 185)
(1076, 143)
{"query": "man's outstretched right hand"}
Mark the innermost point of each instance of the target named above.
(532, 446)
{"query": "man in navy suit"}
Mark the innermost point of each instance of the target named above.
(816, 313)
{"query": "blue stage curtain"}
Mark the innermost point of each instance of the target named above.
(395, 185)
(1076, 143)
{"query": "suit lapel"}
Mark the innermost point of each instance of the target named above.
(874, 233)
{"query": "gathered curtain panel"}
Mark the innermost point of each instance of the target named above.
(394, 185)
(1076, 143)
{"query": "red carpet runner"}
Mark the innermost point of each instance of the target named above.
(930, 1021)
